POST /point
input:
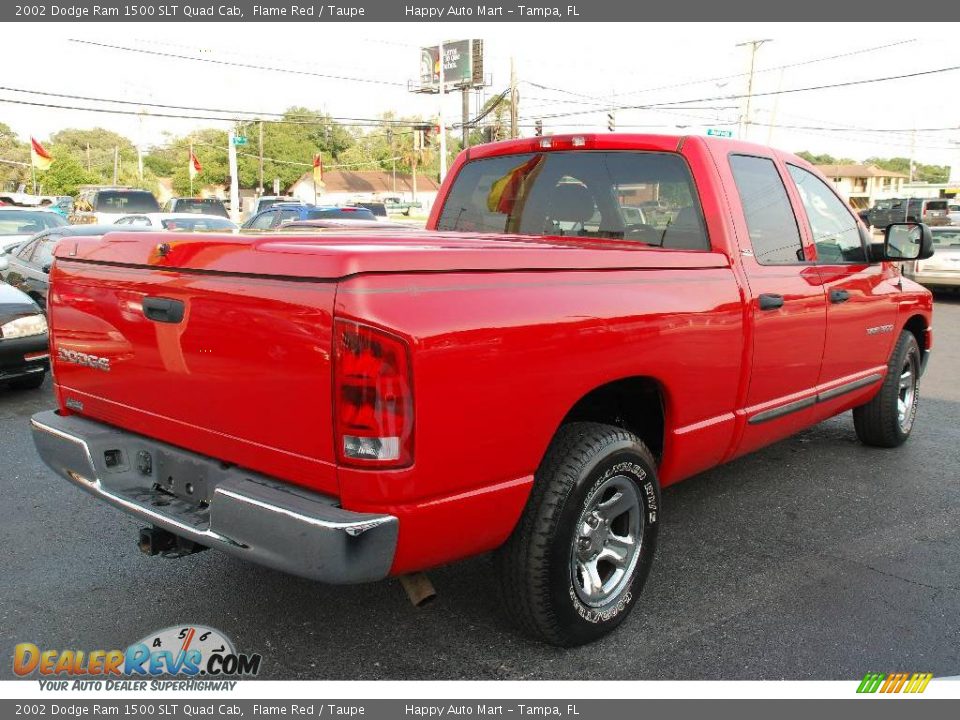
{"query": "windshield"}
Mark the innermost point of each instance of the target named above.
(340, 213)
(197, 224)
(209, 206)
(645, 197)
(946, 238)
(28, 222)
(115, 201)
(937, 205)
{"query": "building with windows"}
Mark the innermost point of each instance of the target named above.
(862, 185)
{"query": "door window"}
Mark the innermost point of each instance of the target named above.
(770, 219)
(27, 250)
(836, 233)
(263, 221)
(287, 215)
(43, 257)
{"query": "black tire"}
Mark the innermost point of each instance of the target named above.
(540, 568)
(28, 382)
(879, 422)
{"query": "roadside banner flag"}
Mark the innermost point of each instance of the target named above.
(194, 166)
(39, 157)
(318, 170)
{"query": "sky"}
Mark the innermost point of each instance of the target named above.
(582, 68)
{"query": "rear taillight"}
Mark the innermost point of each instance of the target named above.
(373, 396)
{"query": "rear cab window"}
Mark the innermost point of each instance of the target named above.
(116, 201)
(644, 197)
(357, 213)
(204, 206)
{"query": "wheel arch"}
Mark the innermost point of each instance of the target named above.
(636, 403)
(917, 324)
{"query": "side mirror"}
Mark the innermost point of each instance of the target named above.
(46, 269)
(907, 241)
(4, 264)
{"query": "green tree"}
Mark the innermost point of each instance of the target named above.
(14, 151)
(64, 176)
(96, 149)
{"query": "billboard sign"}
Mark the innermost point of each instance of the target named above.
(462, 65)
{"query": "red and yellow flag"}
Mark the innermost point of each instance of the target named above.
(318, 170)
(194, 167)
(505, 191)
(39, 157)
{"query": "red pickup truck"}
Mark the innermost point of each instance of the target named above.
(586, 320)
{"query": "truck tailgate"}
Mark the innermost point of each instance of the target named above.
(243, 376)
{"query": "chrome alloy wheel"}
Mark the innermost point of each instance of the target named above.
(907, 394)
(607, 542)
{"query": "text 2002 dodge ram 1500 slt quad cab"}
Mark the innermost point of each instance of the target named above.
(524, 376)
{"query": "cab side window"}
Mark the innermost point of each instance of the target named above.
(836, 233)
(264, 220)
(43, 257)
(26, 251)
(770, 220)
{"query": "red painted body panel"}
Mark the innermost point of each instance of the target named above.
(507, 334)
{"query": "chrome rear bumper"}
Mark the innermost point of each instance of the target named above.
(240, 512)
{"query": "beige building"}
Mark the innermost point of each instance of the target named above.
(862, 185)
(345, 186)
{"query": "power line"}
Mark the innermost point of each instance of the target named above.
(703, 81)
(258, 115)
(848, 83)
(372, 122)
(247, 66)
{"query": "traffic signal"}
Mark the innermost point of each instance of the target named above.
(611, 121)
(427, 135)
(538, 128)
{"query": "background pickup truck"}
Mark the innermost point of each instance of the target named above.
(523, 377)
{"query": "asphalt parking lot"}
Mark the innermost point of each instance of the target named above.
(816, 558)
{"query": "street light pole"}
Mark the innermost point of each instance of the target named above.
(745, 120)
(443, 126)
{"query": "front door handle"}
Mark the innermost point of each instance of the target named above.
(839, 296)
(163, 309)
(770, 301)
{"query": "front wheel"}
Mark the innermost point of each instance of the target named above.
(886, 421)
(578, 559)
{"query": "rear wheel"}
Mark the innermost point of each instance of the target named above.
(581, 553)
(886, 421)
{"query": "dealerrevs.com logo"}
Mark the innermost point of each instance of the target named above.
(202, 657)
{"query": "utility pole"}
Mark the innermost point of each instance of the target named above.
(88, 157)
(443, 125)
(234, 183)
(417, 145)
(466, 115)
(116, 164)
(745, 120)
(514, 101)
(260, 145)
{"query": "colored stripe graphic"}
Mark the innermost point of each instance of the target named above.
(894, 683)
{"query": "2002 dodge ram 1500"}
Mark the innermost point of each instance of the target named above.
(523, 376)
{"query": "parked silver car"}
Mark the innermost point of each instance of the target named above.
(943, 269)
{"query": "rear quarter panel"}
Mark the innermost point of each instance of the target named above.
(499, 359)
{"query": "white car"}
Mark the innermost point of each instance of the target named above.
(17, 225)
(941, 271)
(182, 222)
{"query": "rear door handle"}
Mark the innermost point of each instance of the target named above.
(839, 296)
(769, 301)
(165, 310)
